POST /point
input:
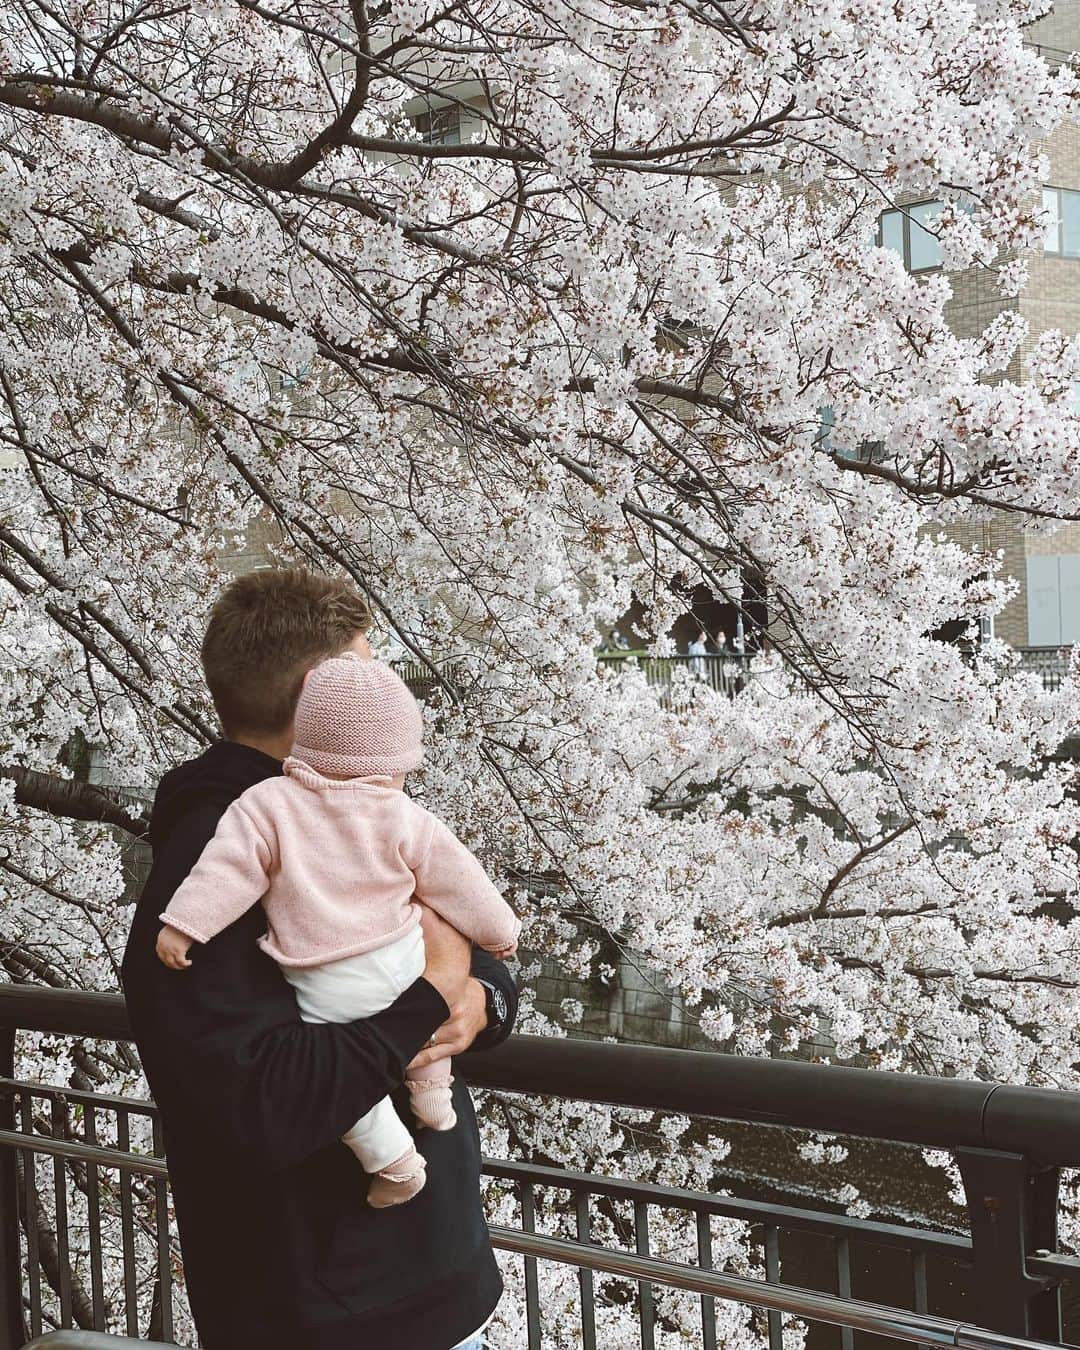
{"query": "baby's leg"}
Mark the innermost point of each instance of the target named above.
(430, 1087)
(385, 1147)
(378, 1138)
(431, 1096)
(343, 991)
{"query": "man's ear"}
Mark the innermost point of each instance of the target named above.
(359, 646)
(307, 676)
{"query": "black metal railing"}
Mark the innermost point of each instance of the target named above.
(87, 1340)
(83, 1182)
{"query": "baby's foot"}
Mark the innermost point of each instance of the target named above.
(399, 1182)
(433, 1102)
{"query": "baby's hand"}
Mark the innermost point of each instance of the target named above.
(504, 953)
(173, 947)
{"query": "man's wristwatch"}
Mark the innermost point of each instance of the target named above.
(495, 1005)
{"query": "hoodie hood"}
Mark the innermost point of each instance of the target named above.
(216, 778)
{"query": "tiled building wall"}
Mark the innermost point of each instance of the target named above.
(255, 549)
(1050, 300)
(1001, 534)
(1059, 31)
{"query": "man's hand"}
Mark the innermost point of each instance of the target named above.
(468, 1018)
(448, 957)
(173, 947)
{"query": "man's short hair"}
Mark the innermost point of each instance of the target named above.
(265, 631)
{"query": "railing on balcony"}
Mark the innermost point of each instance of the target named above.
(87, 1340)
(1052, 663)
(59, 1145)
(728, 673)
(675, 676)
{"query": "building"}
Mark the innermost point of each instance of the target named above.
(1045, 612)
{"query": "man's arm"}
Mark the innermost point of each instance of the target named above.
(479, 1020)
(226, 1033)
(307, 1084)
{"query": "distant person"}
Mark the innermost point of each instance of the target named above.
(615, 642)
(731, 676)
(698, 651)
(741, 664)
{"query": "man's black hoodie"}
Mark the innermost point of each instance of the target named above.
(281, 1252)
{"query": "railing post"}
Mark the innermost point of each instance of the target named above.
(1012, 1205)
(12, 1330)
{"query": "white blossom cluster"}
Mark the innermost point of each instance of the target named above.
(518, 387)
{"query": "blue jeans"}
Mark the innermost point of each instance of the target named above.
(476, 1344)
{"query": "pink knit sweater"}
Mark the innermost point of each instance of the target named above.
(337, 864)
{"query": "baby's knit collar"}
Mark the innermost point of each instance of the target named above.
(311, 778)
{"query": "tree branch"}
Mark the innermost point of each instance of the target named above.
(75, 800)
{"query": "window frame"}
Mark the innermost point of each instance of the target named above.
(443, 125)
(1058, 222)
(906, 223)
(866, 452)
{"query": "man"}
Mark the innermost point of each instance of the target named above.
(281, 1252)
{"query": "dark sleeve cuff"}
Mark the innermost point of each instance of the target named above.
(496, 973)
(407, 1025)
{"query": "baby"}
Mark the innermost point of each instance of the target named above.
(339, 856)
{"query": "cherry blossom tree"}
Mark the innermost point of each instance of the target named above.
(522, 314)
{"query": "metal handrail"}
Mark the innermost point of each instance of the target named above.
(1007, 1142)
(675, 659)
(1041, 1123)
(876, 1318)
(90, 1340)
(748, 1211)
(858, 1315)
(760, 1212)
(145, 1164)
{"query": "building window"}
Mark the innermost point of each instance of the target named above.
(865, 452)
(292, 379)
(908, 232)
(1062, 209)
(826, 427)
(440, 126)
(1053, 599)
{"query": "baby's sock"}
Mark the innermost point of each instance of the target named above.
(399, 1182)
(433, 1102)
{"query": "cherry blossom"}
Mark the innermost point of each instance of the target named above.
(555, 369)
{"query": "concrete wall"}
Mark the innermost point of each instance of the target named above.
(1059, 31)
(634, 1006)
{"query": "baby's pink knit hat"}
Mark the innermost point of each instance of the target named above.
(356, 717)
